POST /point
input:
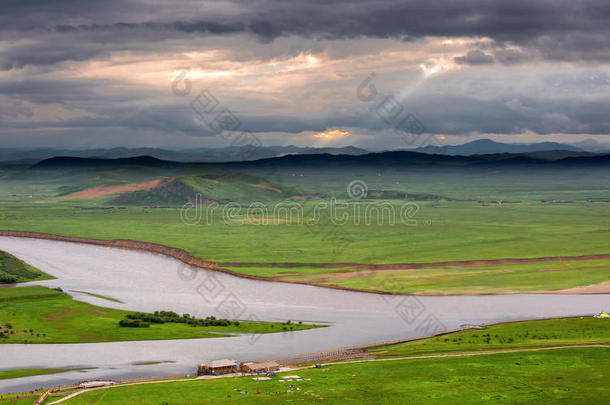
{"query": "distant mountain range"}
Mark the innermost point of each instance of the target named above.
(236, 153)
(387, 159)
(60, 162)
(227, 154)
(487, 146)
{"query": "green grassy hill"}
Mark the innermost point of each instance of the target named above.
(220, 188)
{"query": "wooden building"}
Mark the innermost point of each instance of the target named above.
(259, 367)
(217, 367)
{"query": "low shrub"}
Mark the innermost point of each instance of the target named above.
(161, 317)
(133, 323)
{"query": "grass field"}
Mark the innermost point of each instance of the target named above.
(98, 296)
(541, 372)
(27, 372)
(445, 232)
(42, 315)
(27, 398)
(577, 376)
(474, 279)
(13, 270)
(511, 335)
(459, 214)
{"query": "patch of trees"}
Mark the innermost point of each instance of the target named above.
(6, 330)
(143, 320)
(7, 279)
(133, 323)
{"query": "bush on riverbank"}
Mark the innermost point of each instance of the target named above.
(143, 319)
(7, 279)
(38, 314)
(133, 323)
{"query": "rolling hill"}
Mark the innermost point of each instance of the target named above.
(213, 189)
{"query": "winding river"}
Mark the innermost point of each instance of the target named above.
(148, 282)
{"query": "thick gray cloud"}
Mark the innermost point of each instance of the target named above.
(41, 93)
(501, 104)
(558, 29)
(475, 57)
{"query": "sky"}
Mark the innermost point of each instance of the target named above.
(184, 74)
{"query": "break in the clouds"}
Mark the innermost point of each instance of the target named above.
(100, 73)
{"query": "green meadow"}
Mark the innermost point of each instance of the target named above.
(445, 231)
(577, 375)
(508, 363)
(455, 214)
(13, 270)
(20, 399)
(510, 335)
(28, 372)
(448, 231)
(98, 296)
(36, 314)
(473, 279)
(541, 373)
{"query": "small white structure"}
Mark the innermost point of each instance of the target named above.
(93, 384)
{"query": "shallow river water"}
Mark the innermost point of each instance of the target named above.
(148, 282)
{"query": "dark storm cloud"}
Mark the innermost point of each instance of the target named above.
(456, 115)
(439, 113)
(475, 57)
(45, 91)
(125, 94)
(562, 30)
(511, 56)
(42, 54)
(69, 91)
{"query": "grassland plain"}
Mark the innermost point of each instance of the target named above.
(489, 184)
(463, 214)
(28, 372)
(446, 231)
(543, 372)
(13, 270)
(20, 399)
(509, 335)
(468, 278)
(41, 315)
(574, 375)
(477, 371)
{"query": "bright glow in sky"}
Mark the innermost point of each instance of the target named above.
(332, 133)
(290, 70)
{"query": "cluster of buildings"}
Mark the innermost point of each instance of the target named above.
(225, 366)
